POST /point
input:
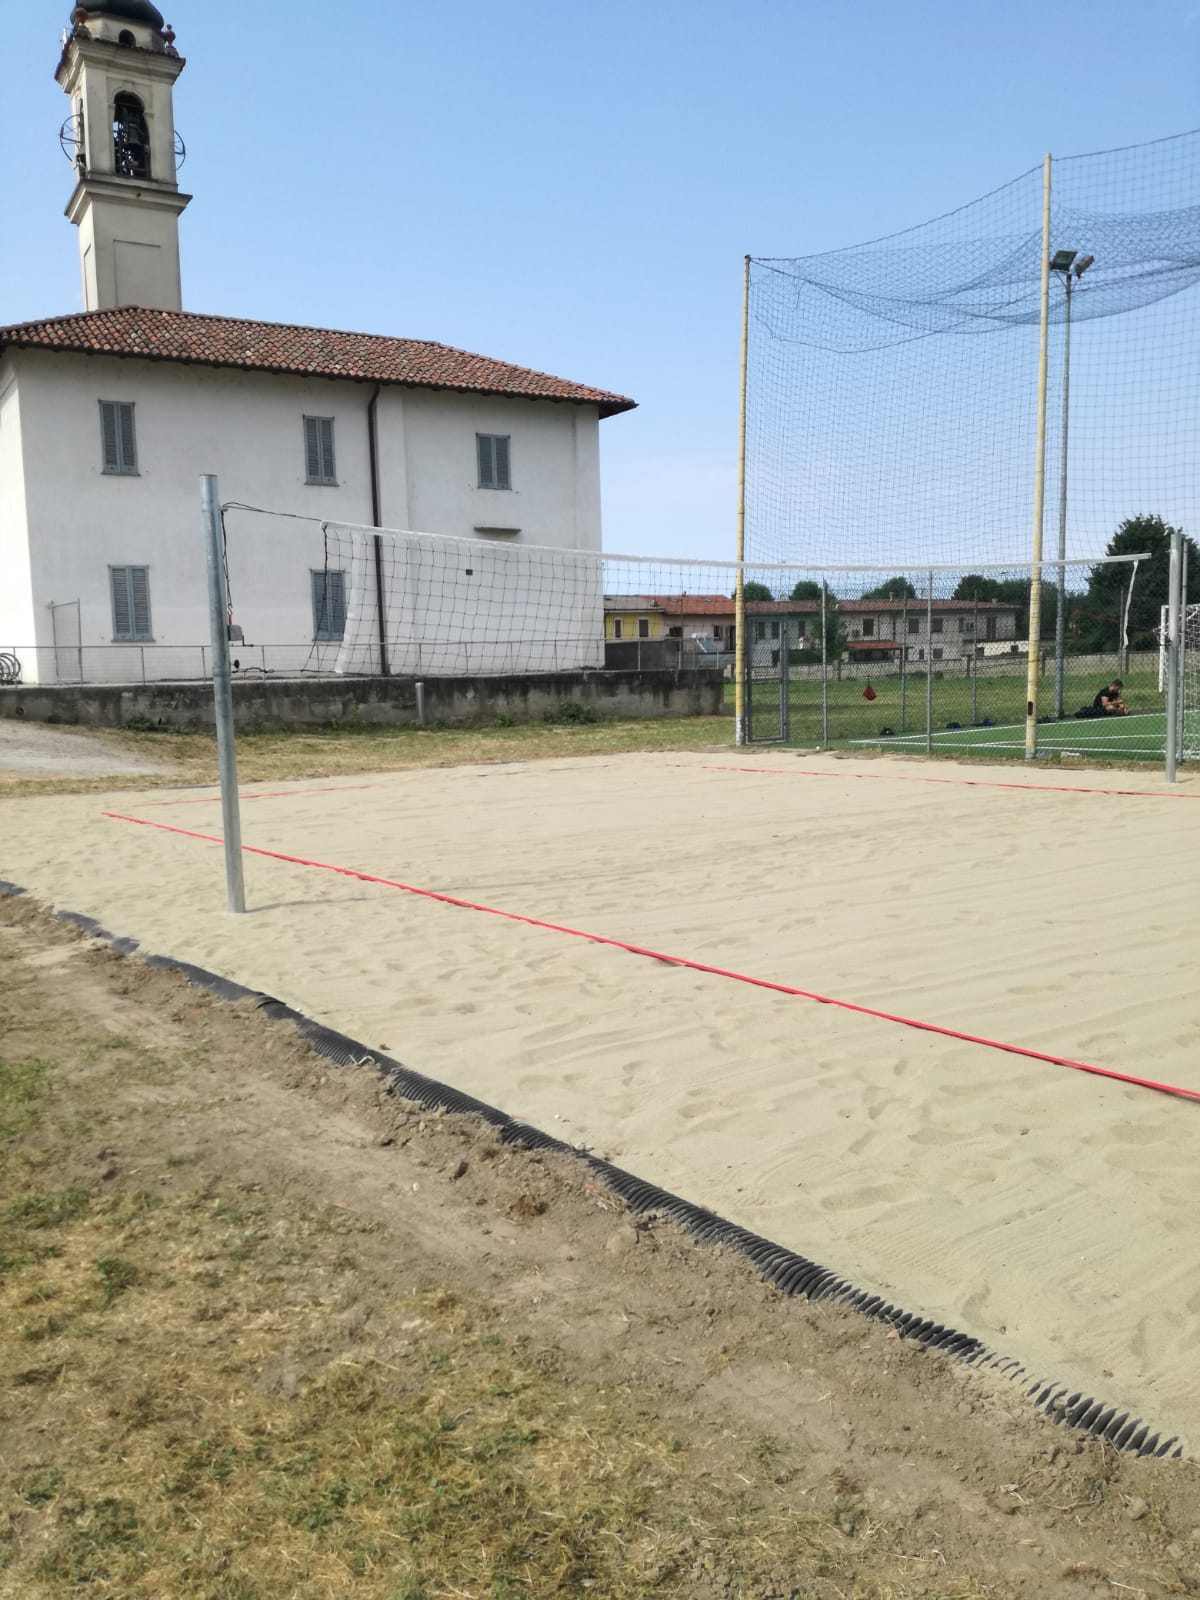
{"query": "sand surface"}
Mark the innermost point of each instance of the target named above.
(1052, 1213)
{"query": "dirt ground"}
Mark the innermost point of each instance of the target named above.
(266, 1333)
(31, 750)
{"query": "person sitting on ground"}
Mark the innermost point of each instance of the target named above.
(1108, 703)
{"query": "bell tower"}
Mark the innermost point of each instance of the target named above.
(119, 66)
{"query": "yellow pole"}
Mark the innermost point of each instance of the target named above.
(1039, 491)
(739, 609)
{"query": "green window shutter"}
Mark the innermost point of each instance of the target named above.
(503, 480)
(319, 463)
(128, 440)
(130, 588)
(122, 615)
(493, 450)
(118, 438)
(139, 601)
(329, 604)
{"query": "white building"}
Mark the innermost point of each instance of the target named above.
(108, 418)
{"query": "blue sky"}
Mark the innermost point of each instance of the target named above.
(572, 186)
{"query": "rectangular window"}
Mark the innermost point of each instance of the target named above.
(494, 463)
(718, 631)
(617, 629)
(117, 438)
(937, 655)
(774, 630)
(914, 624)
(801, 627)
(868, 627)
(991, 627)
(130, 588)
(760, 630)
(643, 627)
(319, 463)
(674, 633)
(329, 604)
(937, 624)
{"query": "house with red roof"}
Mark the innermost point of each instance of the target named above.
(109, 417)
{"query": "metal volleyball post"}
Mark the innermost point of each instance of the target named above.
(929, 668)
(740, 657)
(218, 611)
(1174, 591)
(824, 664)
(1039, 488)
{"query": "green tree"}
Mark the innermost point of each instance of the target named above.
(756, 592)
(806, 589)
(976, 587)
(831, 625)
(892, 589)
(1095, 623)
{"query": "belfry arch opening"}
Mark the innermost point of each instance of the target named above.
(131, 137)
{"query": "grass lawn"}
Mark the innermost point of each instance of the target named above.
(998, 700)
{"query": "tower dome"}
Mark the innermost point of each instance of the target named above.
(128, 11)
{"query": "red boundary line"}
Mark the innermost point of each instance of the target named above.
(275, 794)
(672, 961)
(967, 783)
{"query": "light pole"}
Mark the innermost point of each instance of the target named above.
(1071, 266)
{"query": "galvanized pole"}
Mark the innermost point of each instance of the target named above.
(1182, 746)
(1060, 619)
(824, 664)
(1039, 489)
(1174, 590)
(903, 661)
(741, 658)
(929, 669)
(210, 500)
(975, 666)
(784, 678)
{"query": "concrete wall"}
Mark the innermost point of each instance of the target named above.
(248, 428)
(373, 702)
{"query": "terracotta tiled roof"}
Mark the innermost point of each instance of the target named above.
(799, 608)
(184, 336)
(673, 605)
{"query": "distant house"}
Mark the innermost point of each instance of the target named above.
(884, 630)
(691, 628)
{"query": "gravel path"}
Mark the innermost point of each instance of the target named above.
(32, 748)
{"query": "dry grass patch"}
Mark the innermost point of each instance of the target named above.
(278, 757)
(207, 1399)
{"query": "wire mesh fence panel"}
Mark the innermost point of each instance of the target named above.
(938, 660)
(1189, 748)
(893, 398)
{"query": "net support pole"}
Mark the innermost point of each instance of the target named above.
(1174, 594)
(218, 611)
(1039, 488)
(1060, 616)
(739, 606)
(975, 665)
(929, 668)
(903, 661)
(1182, 746)
(824, 664)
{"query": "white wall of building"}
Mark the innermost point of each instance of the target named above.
(16, 591)
(248, 428)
